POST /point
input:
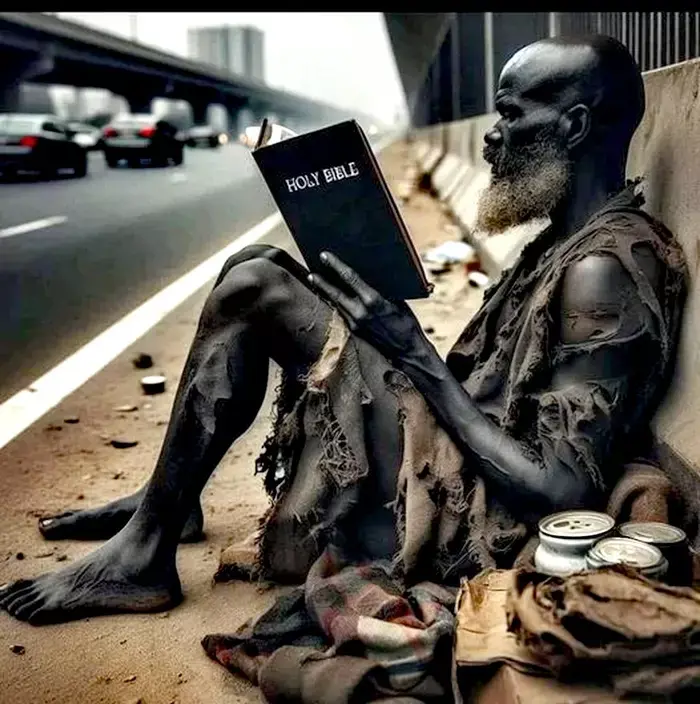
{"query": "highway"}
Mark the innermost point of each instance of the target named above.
(78, 254)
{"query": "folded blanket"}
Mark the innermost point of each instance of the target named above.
(350, 634)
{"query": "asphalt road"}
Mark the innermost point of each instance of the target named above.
(111, 241)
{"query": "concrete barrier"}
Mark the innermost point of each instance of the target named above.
(666, 151)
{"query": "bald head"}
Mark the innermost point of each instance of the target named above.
(567, 111)
(597, 71)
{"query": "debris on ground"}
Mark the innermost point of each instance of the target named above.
(127, 408)
(131, 678)
(54, 426)
(450, 252)
(20, 556)
(17, 649)
(153, 384)
(143, 361)
(123, 443)
(478, 279)
(71, 420)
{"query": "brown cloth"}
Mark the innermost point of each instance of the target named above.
(449, 525)
(640, 633)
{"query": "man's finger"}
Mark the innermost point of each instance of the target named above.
(349, 276)
(347, 305)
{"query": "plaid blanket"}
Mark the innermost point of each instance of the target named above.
(349, 634)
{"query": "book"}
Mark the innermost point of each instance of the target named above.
(333, 197)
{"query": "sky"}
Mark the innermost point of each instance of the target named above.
(343, 58)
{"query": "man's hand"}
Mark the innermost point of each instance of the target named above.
(389, 327)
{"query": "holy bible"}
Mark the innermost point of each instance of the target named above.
(333, 196)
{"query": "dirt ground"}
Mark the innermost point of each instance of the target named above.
(155, 659)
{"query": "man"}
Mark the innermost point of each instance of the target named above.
(382, 449)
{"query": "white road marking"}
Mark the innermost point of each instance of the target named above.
(30, 404)
(33, 225)
(39, 397)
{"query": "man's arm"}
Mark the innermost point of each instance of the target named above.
(602, 325)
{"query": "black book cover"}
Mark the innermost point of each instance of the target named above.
(332, 195)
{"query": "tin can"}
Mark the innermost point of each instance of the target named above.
(672, 542)
(566, 538)
(644, 557)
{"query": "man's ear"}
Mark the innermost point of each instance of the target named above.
(576, 123)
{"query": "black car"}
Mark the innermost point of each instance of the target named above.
(205, 136)
(138, 137)
(40, 144)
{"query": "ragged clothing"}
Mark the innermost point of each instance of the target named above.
(349, 634)
(449, 525)
(644, 636)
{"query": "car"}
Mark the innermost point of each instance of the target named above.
(206, 136)
(40, 144)
(137, 137)
(87, 136)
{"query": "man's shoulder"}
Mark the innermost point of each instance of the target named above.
(628, 234)
(623, 247)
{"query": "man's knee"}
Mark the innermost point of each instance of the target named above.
(250, 286)
(267, 252)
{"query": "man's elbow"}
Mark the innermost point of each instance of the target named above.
(572, 491)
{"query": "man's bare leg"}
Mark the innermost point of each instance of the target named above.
(258, 310)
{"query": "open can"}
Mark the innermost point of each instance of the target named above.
(565, 539)
(672, 542)
(644, 557)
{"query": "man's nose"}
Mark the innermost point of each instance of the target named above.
(493, 137)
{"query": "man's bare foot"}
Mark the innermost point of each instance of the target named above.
(121, 576)
(106, 521)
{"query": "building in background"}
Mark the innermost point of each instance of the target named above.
(235, 49)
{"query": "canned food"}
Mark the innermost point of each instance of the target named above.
(672, 542)
(647, 558)
(566, 538)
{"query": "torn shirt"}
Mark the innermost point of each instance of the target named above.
(448, 523)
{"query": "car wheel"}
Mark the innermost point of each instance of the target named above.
(112, 161)
(81, 167)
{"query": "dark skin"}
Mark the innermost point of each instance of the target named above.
(265, 301)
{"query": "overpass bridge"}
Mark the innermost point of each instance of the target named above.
(39, 48)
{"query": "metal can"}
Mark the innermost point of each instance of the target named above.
(672, 542)
(644, 557)
(566, 538)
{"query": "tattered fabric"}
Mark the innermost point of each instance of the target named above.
(449, 525)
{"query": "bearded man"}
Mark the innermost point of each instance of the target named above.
(381, 449)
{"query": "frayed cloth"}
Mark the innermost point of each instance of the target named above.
(448, 523)
(350, 634)
(640, 634)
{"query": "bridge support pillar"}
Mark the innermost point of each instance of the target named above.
(239, 118)
(139, 103)
(200, 112)
(23, 69)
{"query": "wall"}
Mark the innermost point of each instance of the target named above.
(666, 150)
